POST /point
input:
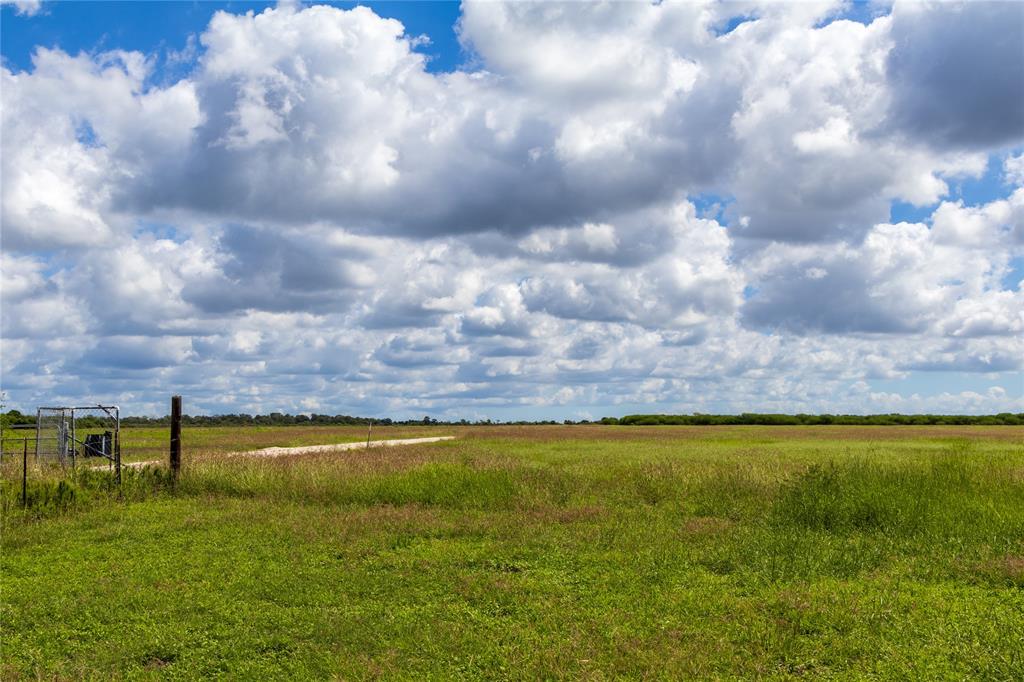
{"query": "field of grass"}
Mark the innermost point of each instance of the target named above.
(532, 553)
(143, 444)
(152, 443)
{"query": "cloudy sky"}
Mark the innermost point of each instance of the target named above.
(514, 211)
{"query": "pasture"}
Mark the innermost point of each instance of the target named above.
(583, 552)
(150, 443)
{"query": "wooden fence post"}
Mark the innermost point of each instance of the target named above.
(175, 435)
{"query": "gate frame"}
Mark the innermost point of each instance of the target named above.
(112, 411)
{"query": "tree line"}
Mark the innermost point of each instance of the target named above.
(1002, 419)
(14, 417)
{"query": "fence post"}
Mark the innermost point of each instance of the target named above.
(24, 473)
(175, 435)
(117, 455)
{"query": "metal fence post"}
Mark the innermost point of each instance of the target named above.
(117, 454)
(24, 473)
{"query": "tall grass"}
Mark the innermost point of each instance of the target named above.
(955, 493)
(444, 485)
(52, 491)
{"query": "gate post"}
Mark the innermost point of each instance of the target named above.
(24, 473)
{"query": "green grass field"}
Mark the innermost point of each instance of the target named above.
(533, 553)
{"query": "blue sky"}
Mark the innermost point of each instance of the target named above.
(156, 27)
(311, 210)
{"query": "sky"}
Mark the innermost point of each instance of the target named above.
(513, 211)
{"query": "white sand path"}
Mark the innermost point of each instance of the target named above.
(311, 449)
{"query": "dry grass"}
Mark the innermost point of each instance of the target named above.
(787, 434)
(706, 525)
(140, 444)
